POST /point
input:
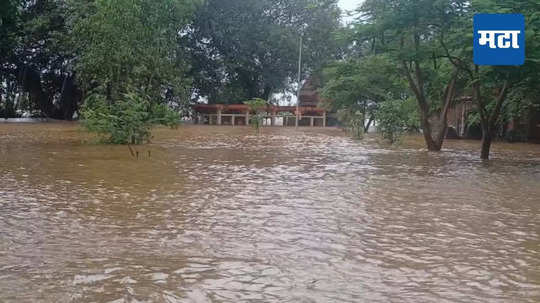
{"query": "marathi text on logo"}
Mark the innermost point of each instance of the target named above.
(499, 38)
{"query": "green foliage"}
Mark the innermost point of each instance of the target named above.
(359, 85)
(257, 106)
(353, 122)
(34, 58)
(411, 35)
(249, 49)
(410, 113)
(392, 117)
(126, 43)
(127, 121)
(8, 24)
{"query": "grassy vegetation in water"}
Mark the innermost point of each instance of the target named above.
(126, 121)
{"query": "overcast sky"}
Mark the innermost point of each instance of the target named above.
(349, 4)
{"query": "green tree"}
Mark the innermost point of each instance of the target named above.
(133, 43)
(392, 119)
(249, 49)
(128, 120)
(9, 16)
(411, 33)
(257, 106)
(35, 60)
(497, 91)
(129, 44)
(353, 121)
(359, 85)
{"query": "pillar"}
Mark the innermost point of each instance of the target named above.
(247, 117)
(324, 119)
(233, 117)
(311, 122)
(219, 117)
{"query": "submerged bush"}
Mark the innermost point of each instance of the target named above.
(353, 121)
(257, 105)
(392, 119)
(128, 120)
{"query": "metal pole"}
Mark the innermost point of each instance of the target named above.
(299, 82)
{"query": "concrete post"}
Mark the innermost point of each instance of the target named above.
(233, 117)
(324, 119)
(219, 116)
(311, 122)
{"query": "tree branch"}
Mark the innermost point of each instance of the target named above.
(449, 94)
(500, 100)
(457, 62)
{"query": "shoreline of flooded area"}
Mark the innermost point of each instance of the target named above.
(220, 214)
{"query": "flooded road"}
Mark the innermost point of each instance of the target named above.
(220, 215)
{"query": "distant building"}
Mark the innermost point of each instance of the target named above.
(309, 94)
(311, 110)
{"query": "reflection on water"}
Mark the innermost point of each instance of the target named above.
(221, 215)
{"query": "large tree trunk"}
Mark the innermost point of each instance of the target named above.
(433, 127)
(431, 143)
(486, 145)
(487, 120)
(368, 125)
(69, 98)
(438, 127)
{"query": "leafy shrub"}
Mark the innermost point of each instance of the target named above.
(392, 118)
(353, 122)
(126, 121)
(410, 113)
(257, 105)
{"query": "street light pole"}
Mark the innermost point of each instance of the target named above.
(299, 83)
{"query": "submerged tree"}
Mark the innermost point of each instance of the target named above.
(128, 120)
(411, 32)
(258, 107)
(392, 116)
(130, 57)
(496, 90)
(353, 121)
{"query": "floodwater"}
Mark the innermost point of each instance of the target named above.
(208, 214)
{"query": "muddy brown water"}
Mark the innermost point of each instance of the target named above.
(210, 214)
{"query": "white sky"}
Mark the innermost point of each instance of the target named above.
(349, 5)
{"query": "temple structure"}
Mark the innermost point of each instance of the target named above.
(239, 114)
(310, 111)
